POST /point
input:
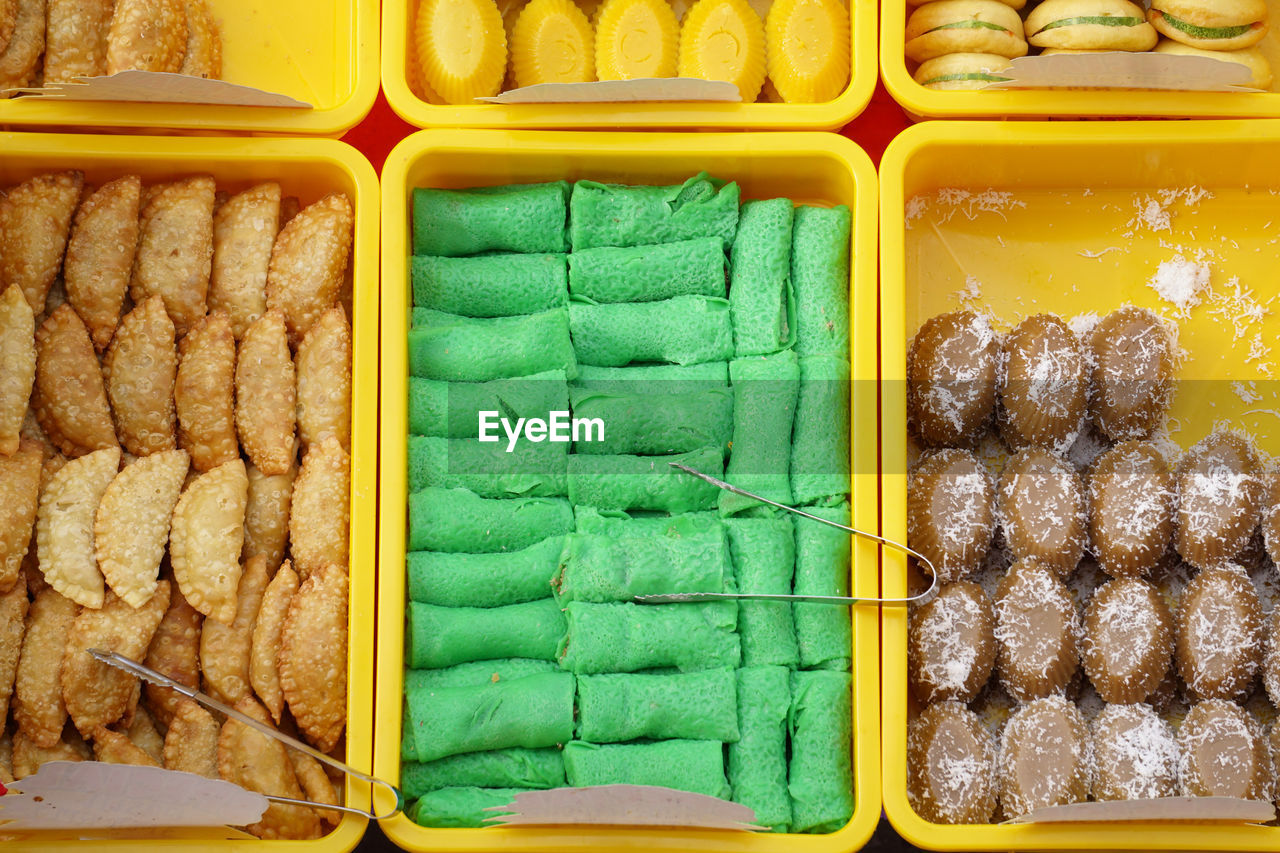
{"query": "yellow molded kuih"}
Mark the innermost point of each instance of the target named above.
(808, 49)
(724, 40)
(462, 47)
(636, 38)
(552, 43)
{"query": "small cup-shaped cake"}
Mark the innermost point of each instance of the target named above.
(951, 644)
(1219, 644)
(1271, 663)
(951, 378)
(1132, 363)
(1042, 509)
(951, 512)
(951, 762)
(1271, 513)
(1045, 757)
(1037, 631)
(1131, 503)
(1223, 753)
(1135, 754)
(636, 38)
(1219, 499)
(1042, 385)
(724, 40)
(552, 42)
(1128, 640)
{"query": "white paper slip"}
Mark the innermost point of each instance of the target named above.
(1183, 809)
(164, 88)
(621, 91)
(1124, 70)
(624, 805)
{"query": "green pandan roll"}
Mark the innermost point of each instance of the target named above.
(760, 296)
(603, 568)
(685, 765)
(466, 349)
(513, 767)
(820, 436)
(451, 409)
(765, 389)
(680, 330)
(461, 807)
(644, 482)
(820, 278)
(515, 218)
(758, 761)
(624, 706)
(654, 378)
(655, 424)
(443, 636)
(616, 523)
(484, 580)
(763, 551)
(477, 672)
(631, 637)
(530, 470)
(821, 775)
(648, 273)
(490, 285)
(460, 521)
(823, 555)
(618, 215)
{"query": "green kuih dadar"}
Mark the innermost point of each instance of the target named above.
(516, 218)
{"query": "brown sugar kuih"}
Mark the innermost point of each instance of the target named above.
(951, 766)
(951, 378)
(951, 645)
(951, 512)
(1132, 363)
(1037, 631)
(1045, 757)
(1042, 509)
(1131, 496)
(1219, 645)
(1220, 496)
(1128, 640)
(1135, 754)
(1043, 384)
(1271, 513)
(1223, 753)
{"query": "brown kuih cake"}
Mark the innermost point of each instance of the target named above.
(951, 378)
(1135, 754)
(1223, 753)
(951, 765)
(1043, 384)
(1037, 629)
(1045, 757)
(1131, 363)
(1220, 634)
(1128, 640)
(951, 512)
(1219, 498)
(1042, 509)
(1131, 497)
(951, 645)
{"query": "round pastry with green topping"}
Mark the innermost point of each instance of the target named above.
(1250, 57)
(964, 26)
(1090, 25)
(1211, 24)
(961, 71)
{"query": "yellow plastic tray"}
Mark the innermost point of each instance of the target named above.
(807, 167)
(323, 52)
(308, 168)
(1059, 103)
(397, 32)
(1074, 248)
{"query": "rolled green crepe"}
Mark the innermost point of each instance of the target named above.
(685, 765)
(820, 278)
(760, 296)
(654, 378)
(623, 706)
(530, 470)
(490, 285)
(615, 522)
(517, 218)
(823, 631)
(484, 580)
(820, 437)
(534, 711)
(460, 521)
(758, 761)
(467, 349)
(631, 637)
(764, 552)
(654, 424)
(451, 409)
(514, 767)
(644, 482)
(477, 672)
(680, 330)
(765, 389)
(461, 807)
(442, 636)
(646, 273)
(617, 215)
(821, 773)
(601, 568)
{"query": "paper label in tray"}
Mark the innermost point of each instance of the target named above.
(621, 91)
(623, 805)
(1181, 809)
(1123, 70)
(163, 88)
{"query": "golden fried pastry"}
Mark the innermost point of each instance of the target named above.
(143, 734)
(308, 262)
(139, 371)
(1131, 496)
(319, 513)
(100, 252)
(324, 380)
(1135, 754)
(13, 616)
(28, 756)
(1042, 509)
(131, 526)
(147, 35)
(243, 235)
(1219, 645)
(64, 525)
(1037, 630)
(95, 693)
(37, 702)
(1219, 499)
(18, 355)
(205, 539)
(266, 394)
(951, 763)
(254, 761)
(174, 651)
(76, 40)
(20, 59)
(951, 645)
(1043, 385)
(313, 656)
(951, 378)
(951, 512)
(1132, 361)
(224, 649)
(35, 217)
(316, 785)
(264, 674)
(116, 748)
(1223, 753)
(69, 399)
(266, 518)
(191, 744)
(1045, 757)
(175, 240)
(1128, 640)
(8, 20)
(204, 393)
(203, 55)
(19, 497)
